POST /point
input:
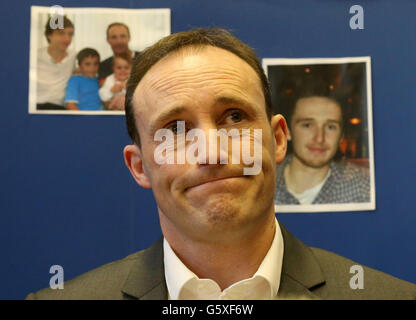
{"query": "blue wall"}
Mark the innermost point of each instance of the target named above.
(66, 197)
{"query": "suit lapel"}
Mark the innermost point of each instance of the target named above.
(146, 280)
(301, 272)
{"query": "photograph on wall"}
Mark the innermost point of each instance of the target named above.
(81, 58)
(329, 165)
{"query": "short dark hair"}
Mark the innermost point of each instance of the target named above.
(49, 30)
(315, 88)
(125, 56)
(87, 52)
(120, 24)
(215, 37)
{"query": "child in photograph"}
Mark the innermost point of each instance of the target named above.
(82, 89)
(114, 88)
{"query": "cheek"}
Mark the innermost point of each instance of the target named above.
(298, 139)
(55, 40)
(297, 133)
(167, 180)
(334, 138)
(161, 176)
(269, 150)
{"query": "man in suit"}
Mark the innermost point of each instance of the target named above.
(221, 239)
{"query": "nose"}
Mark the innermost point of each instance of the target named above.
(215, 151)
(319, 135)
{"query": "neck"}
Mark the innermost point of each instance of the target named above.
(56, 53)
(224, 262)
(300, 177)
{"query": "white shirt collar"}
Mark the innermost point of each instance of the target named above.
(309, 195)
(44, 55)
(182, 283)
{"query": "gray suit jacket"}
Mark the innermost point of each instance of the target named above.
(307, 273)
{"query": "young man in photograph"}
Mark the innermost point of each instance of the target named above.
(221, 239)
(310, 175)
(55, 65)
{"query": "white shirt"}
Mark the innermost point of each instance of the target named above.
(105, 90)
(183, 284)
(52, 77)
(307, 196)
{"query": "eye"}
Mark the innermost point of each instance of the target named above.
(234, 116)
(174, 126)
(306, 125)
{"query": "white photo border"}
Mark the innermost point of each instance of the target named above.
(34, 29)
(313, 208)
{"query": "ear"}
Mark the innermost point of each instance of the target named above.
(134, 161)
(280, 131)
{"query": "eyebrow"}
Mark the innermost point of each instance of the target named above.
(175, 111)
(231, 100)
(166, 115)
(234, 101)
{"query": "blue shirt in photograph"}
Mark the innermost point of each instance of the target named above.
(84, 92)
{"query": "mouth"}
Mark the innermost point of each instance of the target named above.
(213, 181)
(317, 150)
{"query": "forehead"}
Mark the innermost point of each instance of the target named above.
(191, 74)
(317, 108)
(62, 31)
(89, 59)
(116, 30)
(119, 61)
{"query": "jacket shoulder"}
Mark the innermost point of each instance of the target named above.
(375, 284)
(102, 283)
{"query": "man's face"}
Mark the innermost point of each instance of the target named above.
(118, 38)
(61, 38)
(89, 66)
(316, 131)
(209, 88)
